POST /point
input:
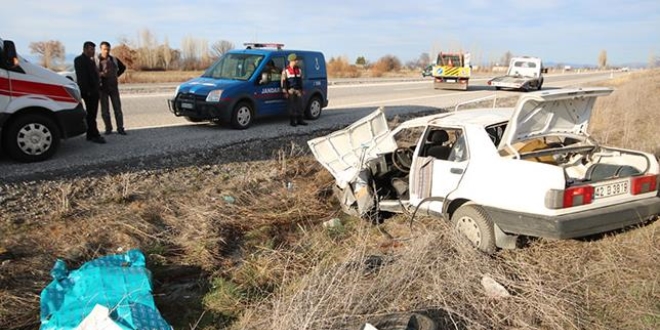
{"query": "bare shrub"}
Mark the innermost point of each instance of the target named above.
(339, 67)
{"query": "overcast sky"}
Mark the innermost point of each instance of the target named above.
(566, 31)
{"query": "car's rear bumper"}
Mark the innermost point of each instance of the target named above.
(576, 224)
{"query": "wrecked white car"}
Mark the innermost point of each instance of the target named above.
(499, 173)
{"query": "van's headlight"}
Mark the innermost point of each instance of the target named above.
(214, 96)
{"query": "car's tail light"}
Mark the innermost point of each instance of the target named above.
(577, 196)
(644, 184)
(574, 196)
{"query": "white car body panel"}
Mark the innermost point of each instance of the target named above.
(511, 184)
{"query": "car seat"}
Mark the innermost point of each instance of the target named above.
(437, 149)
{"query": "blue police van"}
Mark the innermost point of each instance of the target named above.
(244, 84)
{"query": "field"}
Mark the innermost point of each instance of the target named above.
(236, 243)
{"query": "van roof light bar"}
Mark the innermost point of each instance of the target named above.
(250, 45)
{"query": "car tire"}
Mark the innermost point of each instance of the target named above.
(497, 88)
(472, 222)
(31, 138)
(242, 116)
(314, 108)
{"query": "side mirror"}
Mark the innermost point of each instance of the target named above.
(9, 50)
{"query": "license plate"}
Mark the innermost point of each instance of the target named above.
(451, 80)
(186, 105)
(612, 189)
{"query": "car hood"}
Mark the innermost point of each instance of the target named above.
(202, 85)
(344, 152)
(46, 75)
(555, 112)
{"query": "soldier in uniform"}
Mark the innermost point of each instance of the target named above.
(292, 87)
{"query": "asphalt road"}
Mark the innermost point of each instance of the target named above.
(154, 132)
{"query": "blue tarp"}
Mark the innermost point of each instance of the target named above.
(120, 282)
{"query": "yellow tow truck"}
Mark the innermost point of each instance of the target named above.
(452, 71)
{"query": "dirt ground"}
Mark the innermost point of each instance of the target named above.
(237, 243)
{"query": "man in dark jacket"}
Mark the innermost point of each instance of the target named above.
(88, 81)
(110, 69)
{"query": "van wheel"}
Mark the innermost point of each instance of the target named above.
(241, 118)
(313, 110)
(31, 138)
(475, 224)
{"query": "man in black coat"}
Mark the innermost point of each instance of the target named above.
(88, 80)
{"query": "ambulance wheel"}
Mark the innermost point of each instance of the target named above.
(31, 138)
(313, 110)
(241, 117)
(472, 222)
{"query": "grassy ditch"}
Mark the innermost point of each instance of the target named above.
(242, 246)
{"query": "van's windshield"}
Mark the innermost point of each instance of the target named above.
(234, 66)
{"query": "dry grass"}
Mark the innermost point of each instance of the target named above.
(241, 246)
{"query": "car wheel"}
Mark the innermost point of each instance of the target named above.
(475, 224)
(193, 120)
(497, 88)
(241, 118)
(313, 110)
(31, 138)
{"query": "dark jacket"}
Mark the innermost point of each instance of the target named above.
(87, 75)
(110, 68)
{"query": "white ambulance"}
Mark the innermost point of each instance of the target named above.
(38, 108)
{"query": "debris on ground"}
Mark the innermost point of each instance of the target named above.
(494, 289)
(113, 291)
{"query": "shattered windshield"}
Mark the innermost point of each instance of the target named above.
(234, 66)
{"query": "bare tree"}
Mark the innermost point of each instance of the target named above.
(424, 59)
(126, 54)
(653, 61)
(220, 47)
(51, 52)
(147, 49)
(602, 59)
(166, 54)
(506, 58)
(189, 52)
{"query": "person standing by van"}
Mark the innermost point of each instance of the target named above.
(292, 87)
(88, 81)
(110, 68)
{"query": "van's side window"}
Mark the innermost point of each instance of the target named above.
(274, 68)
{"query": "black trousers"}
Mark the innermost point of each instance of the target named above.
(92, 108)
(295, 103)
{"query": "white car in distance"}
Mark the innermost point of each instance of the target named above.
(498, 173)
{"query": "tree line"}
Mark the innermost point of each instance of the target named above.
(146, 53)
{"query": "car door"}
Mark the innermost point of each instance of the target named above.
(434, 176)
(268, 91)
